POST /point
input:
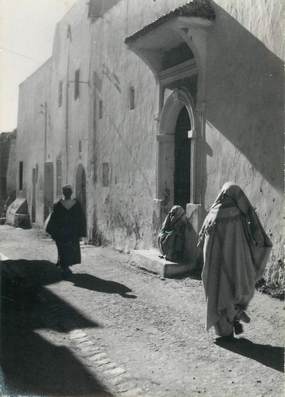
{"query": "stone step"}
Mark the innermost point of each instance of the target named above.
(150, 261)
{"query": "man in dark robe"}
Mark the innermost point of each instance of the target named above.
(66, 226)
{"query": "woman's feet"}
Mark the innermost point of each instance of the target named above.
(244, 318)
(238, 328)
(226, 338)
(66, 272)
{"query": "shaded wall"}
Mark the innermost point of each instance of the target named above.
(12, 167)
(7, 167)
(244, 115)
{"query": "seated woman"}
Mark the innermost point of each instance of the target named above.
(235, 250)
(171, 237)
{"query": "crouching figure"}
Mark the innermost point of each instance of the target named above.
(171, 238)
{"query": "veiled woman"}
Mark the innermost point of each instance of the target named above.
(66, 225)
(172, 234)
(235, 251)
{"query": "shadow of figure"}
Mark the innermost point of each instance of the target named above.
(34, 358)
(87, 281)
(270, 356)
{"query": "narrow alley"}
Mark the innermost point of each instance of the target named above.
(113, 329)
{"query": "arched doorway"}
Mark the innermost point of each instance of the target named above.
(182, 159)
(80, 186)
(176, 151)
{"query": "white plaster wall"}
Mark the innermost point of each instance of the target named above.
(33, 93)
(78, 47)
(126, 139)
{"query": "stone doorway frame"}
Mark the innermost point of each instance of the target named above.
(177, 100)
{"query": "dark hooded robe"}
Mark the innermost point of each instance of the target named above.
(66, 226)
(171, 237)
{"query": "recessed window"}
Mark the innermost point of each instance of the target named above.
(21, 168)
(100, 109)
(68, 33)
(132, 97)
(58, 177)
(105, 176)
(60, 88)
(76, 84)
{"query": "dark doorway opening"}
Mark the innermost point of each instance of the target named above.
(48, 189)
(80, 189)
(182, 159)
(34, 195)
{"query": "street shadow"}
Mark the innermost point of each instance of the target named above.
(37, 357)
(270, 356)
(30, 272)
(196, 274)
(87, 281)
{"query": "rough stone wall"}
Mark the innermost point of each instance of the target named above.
(244, 112)
(33, 93)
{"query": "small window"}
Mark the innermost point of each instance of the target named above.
(80, 146)
(37, 172)
(21, 168)
(94, 113)
(68, 33)
(100, 109)
(132, 97)
(58, 177)
(60, 87)
(105, 176)
(76, 84)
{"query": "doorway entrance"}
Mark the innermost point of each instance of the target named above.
(182, 159)
(80, 187)
(48, 188)
(176, 152)
(34, 195)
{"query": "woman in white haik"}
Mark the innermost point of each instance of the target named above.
(235, 251)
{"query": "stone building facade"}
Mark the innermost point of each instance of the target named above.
(146, 104)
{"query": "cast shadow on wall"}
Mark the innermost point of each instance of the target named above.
(245, 104)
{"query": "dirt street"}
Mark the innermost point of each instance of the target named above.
(114, 330)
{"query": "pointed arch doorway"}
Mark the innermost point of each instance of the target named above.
(182, 160)
(176, 152)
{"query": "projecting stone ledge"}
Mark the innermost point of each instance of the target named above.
(150, 261)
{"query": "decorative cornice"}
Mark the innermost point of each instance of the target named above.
(182, 70)
(196, 8)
